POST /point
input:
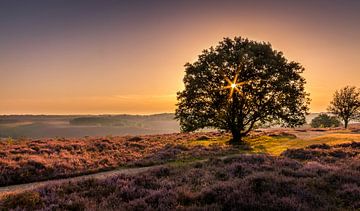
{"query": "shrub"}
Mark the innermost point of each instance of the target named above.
(161, 172)
(350, 193)
(26, 200)
(324, 152)
(134, 139)
(319, 146)
(324, 120)
(202, 138)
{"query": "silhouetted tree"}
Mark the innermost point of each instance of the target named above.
(238, 84)
(324, 120)
(346, 104)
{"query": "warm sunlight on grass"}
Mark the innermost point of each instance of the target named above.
(203, 141)
(276, 145)
(336, 138)
(271, 145)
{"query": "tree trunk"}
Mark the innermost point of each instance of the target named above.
(346, 123)
(236, 137)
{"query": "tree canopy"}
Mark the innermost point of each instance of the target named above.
(238, 84)
(346, 104)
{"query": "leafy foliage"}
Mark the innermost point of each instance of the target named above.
(324, 120)
(266, 88)
(346, 104)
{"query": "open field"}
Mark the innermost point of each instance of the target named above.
(319, 177)
(42, 126)
(276, 167)
(28, 160)
(78, 126)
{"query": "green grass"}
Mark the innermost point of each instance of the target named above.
(220, 141)
(275, 145)
(271, 145)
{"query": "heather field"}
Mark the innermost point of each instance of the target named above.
(27, 160)
(23, 161)
(318, 177)
(286, 169)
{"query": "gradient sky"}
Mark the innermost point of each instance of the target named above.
(107, 56)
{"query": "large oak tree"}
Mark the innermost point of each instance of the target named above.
(239, 84)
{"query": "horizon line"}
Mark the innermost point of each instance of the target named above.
(84, 114)
(103, 114)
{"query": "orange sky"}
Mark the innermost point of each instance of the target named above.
(75, 62)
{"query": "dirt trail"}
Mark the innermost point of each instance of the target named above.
(101, 175)
(12, 189)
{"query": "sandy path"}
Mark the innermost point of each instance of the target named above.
(101, 175)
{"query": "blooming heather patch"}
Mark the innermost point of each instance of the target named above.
(244, 182)
(23, 161)
(325, 153)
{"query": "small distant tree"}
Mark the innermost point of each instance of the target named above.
(346, 104)
(239, 84)
(324, 120)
